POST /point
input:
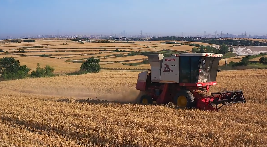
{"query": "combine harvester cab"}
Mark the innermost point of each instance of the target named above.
(184, 80)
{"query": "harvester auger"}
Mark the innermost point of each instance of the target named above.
(184, 80)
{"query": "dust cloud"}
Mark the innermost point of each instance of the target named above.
(66, 92)
(124, 95)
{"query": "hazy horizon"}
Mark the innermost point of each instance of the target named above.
(153, 17)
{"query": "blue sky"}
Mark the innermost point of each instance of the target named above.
(158, 17)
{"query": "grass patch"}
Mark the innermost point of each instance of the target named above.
(145, 61)
(229, 55)
(255, 56)
(249, 66)
(76, 73)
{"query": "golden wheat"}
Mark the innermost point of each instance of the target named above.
(75, 50)
(55, 112)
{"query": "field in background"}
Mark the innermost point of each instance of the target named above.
(66, 55)
(55, 112)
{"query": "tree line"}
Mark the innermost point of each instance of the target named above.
(10, 69)
(223, 49)
(232, 42)
(246, 60)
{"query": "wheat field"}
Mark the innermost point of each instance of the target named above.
(64, 110)
(55, 112)
(58, 55)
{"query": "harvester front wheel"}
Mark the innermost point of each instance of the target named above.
(184, 99)
(146, 100)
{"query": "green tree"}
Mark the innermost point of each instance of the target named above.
(194, 50)
(215, 50)
(263, 60)
(231, 49)
(209, 49)
(245, 61)
(47, 71)
(91, 65)
(202, 49)
(223, 49)
(10, 68)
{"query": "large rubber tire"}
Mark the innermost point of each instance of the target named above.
(138, 97)
(146, 100)
(184, 99)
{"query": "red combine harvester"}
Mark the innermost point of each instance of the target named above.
(184, 80)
